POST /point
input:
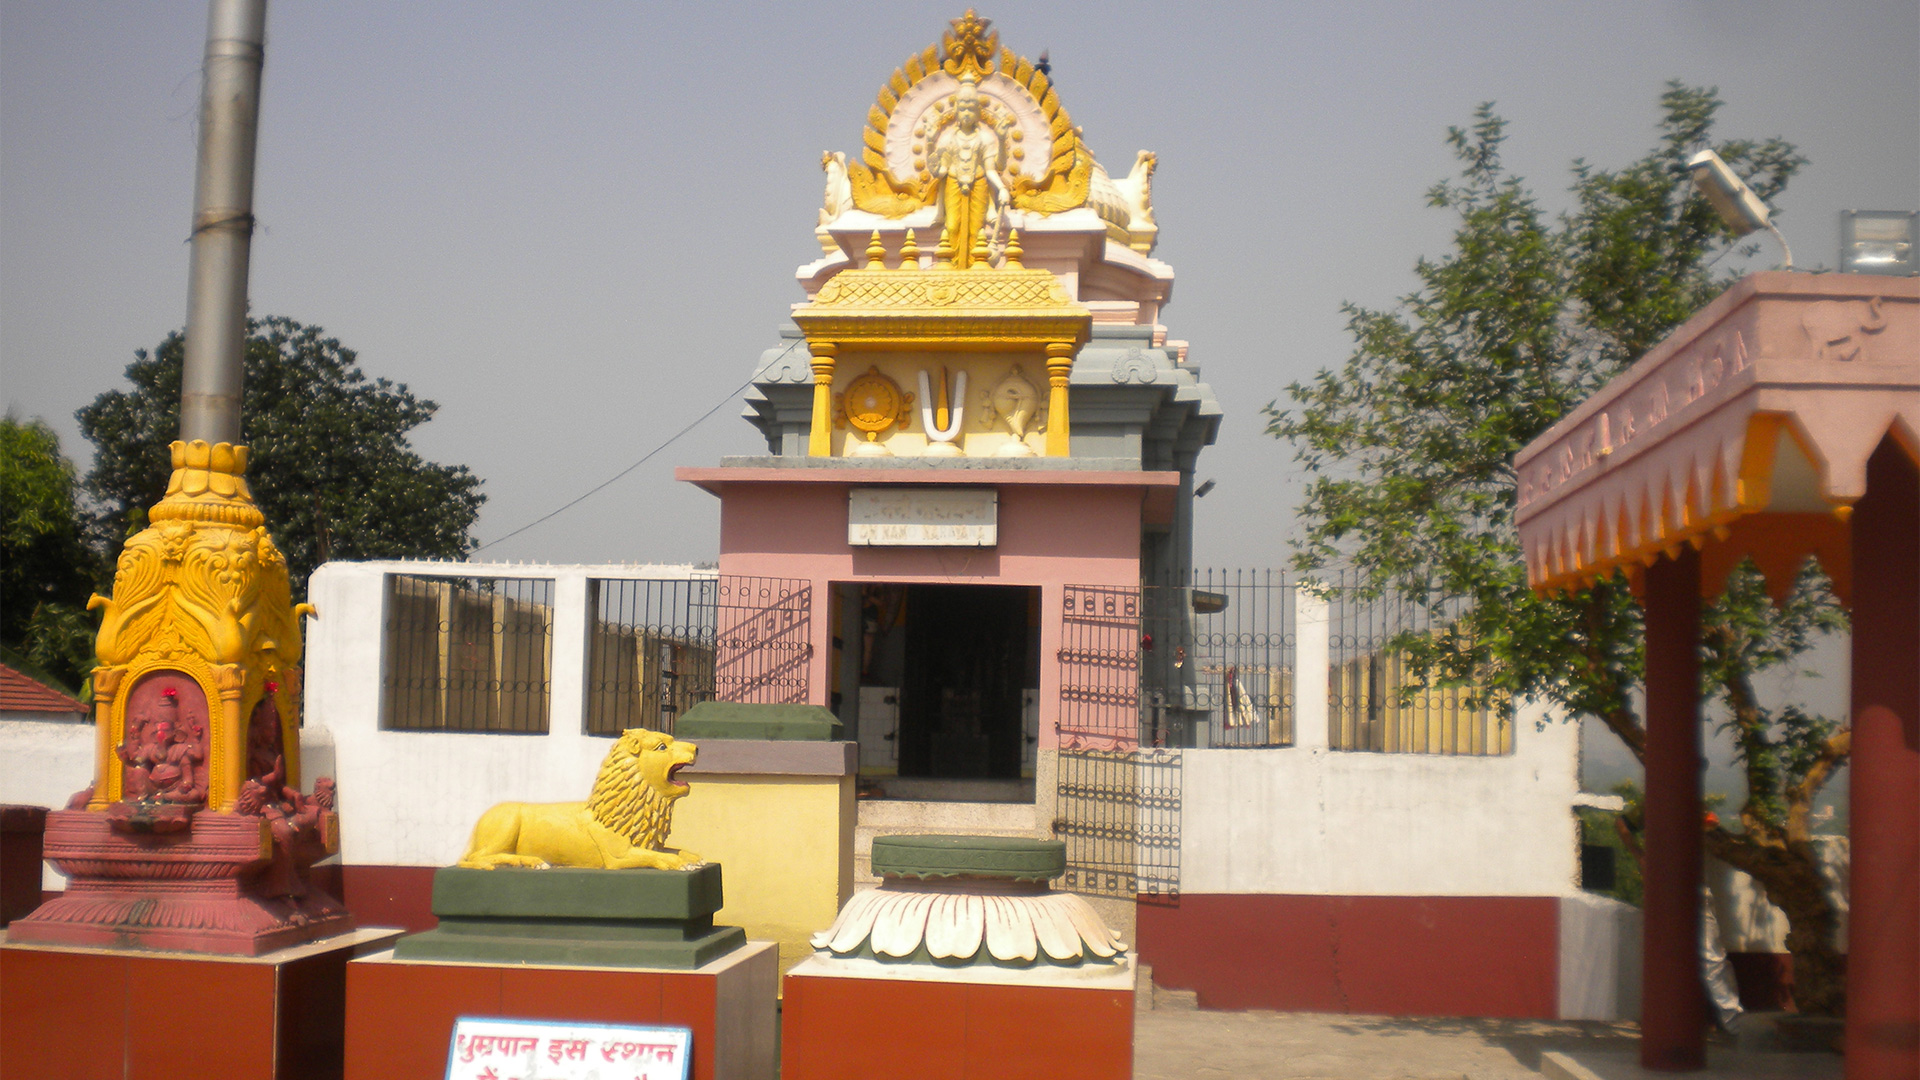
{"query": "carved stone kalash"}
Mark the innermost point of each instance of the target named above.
(195, 835)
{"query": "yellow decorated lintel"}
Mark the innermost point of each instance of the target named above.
(1010, 310)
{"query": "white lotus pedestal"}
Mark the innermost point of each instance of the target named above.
(962, 965)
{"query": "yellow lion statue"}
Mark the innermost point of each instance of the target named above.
(622, 826)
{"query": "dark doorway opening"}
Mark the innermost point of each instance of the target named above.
(967, 661)
(944, 683)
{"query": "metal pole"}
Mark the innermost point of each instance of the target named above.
(222, 221)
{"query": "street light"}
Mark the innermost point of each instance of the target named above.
(1877, 242)
(1733, 200)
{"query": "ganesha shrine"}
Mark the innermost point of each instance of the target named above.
(195, 833)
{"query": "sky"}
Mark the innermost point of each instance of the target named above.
(575, 226)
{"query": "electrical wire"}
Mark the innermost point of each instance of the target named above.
(603, 485)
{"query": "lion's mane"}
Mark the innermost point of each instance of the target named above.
(624, 801)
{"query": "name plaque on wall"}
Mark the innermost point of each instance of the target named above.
(923, 517)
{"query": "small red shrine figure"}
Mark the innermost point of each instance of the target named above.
(164, 756)
(266, 752)
(298, 822)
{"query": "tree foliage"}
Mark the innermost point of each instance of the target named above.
(45, 566)
(1410, 448)
(331, 467)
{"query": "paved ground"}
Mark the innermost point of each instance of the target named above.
(1181, 1043)
(1173, 1044)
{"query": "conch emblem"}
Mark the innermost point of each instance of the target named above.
(1013, 401)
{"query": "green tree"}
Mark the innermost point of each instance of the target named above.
(1410, 449)
(331, 467)
(45, 565)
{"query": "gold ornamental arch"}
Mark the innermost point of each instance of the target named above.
(970, 50)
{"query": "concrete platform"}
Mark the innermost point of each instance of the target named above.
(861, 1019)
(400, 1013)
(82, 1011)
(572, 916)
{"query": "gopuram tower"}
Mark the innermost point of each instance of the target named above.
(979, 438)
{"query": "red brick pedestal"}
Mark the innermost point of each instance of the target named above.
(200, 888)
(400, 1013)
(864, 1020)
(96, 1013)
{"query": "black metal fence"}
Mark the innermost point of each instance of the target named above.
(476, 653)
(1377, 699)
(468, 654)
(1217, 660)
(650, 651)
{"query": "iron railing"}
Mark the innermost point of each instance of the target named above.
(1377, 699)
(1100, 668)
(1119, 813)
(1117, 802)
(467, 654)
(650, 651)
(1217, 660)
(763, 643)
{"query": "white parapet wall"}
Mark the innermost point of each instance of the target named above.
(43, 762)
(409, 798)
(1599, 958)
(1307, 820)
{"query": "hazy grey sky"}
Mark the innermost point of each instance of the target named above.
(575, 226)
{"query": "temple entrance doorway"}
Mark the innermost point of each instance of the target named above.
(944, 685)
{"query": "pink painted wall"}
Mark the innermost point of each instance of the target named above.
(1050, 536)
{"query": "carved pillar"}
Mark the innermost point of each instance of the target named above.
(1059, 367)
(820, 436)
(106, 771)
(292, 700)
(227, 767)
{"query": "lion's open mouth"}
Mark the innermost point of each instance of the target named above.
(673, 774)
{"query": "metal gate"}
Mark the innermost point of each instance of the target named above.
(1118, 806)
(764, 640)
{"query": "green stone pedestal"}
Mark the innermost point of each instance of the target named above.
(597, 918)
(741, 720)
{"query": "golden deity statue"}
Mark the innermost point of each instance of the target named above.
(968, 159)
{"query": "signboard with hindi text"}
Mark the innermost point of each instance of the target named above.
(487, 1049)
(923, 517)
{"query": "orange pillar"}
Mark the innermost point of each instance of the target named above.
(1883, 956)
(1672, 1004)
